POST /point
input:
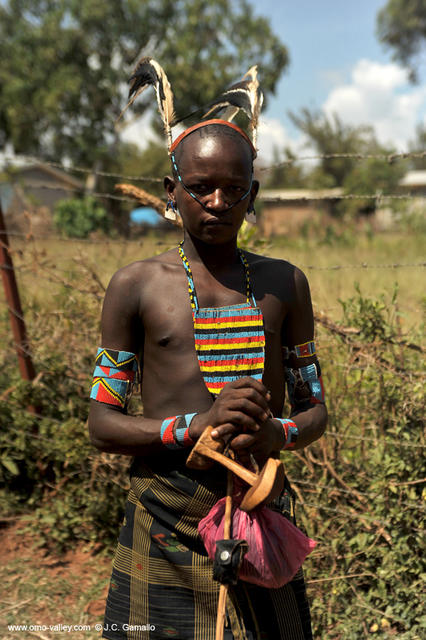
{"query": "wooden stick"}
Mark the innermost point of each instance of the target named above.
(223, 592)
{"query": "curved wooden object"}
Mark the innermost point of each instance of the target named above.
(265, 486)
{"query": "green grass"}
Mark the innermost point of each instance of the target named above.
(43, 266)
(374, 391)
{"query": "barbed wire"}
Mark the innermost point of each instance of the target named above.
(96, 194)
(348, 576)
(418, 506)
(363, 265)
(107, 240)
(389, 157)
(386, 439)
(342, 436)
(313, 197)
(85, 170)
(349, 514)
(347, 196)
(126, 241)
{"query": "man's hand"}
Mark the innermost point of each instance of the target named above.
(241, 407)
(268, 439)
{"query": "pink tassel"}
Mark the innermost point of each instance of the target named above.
(277, 548)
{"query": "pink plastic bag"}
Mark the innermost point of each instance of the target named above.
(277, 548)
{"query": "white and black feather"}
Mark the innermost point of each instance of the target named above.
(148, 73)
(245, 96)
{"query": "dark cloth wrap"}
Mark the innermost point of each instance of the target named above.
(163, 578)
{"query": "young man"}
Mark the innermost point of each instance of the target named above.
(208, 324)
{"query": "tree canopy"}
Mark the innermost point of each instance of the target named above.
(64, 65)
(327, 136)
(401, 25)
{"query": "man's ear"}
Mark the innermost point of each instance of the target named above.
(254, 190)
(169, 185)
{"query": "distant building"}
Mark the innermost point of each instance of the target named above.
(414, 182)
(287, 210)
(29, 194)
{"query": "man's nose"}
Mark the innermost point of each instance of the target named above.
(217, 201)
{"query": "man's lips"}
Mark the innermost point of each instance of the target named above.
(213, 222)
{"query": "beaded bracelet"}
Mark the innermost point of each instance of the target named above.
(174, 436)
(291, 432)
(181, 434)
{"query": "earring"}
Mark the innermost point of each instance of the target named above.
(251, 214)
(171, 211)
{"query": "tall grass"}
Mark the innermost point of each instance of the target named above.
(359, 488)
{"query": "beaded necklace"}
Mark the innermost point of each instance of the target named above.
(229, 341)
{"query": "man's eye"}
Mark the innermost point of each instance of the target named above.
(235, 189)
(200, 188)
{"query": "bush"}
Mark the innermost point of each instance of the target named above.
(359, 487)
(78, 218)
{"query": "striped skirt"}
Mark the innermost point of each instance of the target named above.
(162, 585)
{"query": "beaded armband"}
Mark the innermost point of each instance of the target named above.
(115, 374)
(175, 431)
(305, 385)
(291, 432)
(300, 350)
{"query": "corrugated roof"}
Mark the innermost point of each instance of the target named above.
(413, 179)
(270, 195)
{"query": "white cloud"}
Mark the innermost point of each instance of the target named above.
(139, 130)
(380, 95)
(272, 134)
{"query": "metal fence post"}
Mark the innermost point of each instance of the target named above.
(26, 366)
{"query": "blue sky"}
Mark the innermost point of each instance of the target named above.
(337, 64)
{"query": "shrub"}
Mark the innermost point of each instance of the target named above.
(79, 217)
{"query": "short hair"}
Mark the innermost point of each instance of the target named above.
(212, 131)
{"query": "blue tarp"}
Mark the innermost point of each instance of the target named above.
(145, 215)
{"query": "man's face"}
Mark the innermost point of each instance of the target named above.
(218, 171)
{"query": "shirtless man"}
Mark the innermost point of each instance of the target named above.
(148, 312)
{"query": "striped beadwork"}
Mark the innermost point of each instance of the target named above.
(114, 375)
(291, 432)
(305, 350)
(229, 341)
(230, 344)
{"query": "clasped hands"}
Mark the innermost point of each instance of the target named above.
(241, 417)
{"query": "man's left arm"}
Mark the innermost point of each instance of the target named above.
(308, 416)
(304, 382)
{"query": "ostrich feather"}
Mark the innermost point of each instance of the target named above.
(244, 95)
(149, 73)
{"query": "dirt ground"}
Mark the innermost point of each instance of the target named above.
(44, 590)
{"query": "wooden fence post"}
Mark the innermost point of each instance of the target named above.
(26, 366)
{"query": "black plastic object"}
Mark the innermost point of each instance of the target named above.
(227, 560)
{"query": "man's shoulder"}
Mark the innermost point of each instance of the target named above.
(141, 270)
(275, 267)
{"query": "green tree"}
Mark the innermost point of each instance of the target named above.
(357, 175)
(77, 218)
(285, 172)
(401, 25)
(417, 145)
(64, 65)
(371, 176)
(329, 136)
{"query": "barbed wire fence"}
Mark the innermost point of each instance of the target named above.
(316, 498)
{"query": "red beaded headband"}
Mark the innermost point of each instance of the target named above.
(205, 124)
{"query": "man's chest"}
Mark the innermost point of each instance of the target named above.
(169, 323)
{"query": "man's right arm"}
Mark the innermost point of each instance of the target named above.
(110, 428)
